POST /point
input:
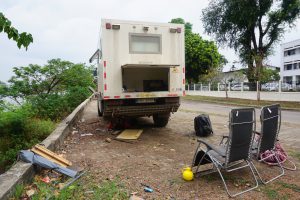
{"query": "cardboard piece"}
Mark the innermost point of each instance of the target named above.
(130, 134)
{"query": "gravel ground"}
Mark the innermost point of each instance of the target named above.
(157, 157)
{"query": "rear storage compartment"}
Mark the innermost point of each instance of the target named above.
(145, 79)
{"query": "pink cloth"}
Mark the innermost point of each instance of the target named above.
(269, 156)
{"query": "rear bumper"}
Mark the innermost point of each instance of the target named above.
(140, 110)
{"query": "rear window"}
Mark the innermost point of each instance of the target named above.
(147, 44)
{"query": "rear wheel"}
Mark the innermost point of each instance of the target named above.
(161, 120)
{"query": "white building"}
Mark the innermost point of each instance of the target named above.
(290, 62)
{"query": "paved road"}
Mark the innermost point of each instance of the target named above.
(290, 126)
(210, 108)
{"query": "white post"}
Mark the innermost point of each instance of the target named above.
(194, 87)
(201, 87)
(229, 86)
(258, 90)
(188, 87)
(209, 86)
(218, 87)
(279, 86)
(242, 86)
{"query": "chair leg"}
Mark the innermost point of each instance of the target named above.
(293, 168)
(272, 179)
(239, 193)
(195, 155)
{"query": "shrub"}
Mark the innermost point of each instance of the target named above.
(19, 130)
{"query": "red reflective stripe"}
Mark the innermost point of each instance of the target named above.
(183, 70)
(127, 96)
(105, 87)
(104, 74)
(183, 81)
(172, 95)
(117, 97)
(104, 63)
(106, 97)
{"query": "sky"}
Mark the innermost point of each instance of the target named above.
(69, 29)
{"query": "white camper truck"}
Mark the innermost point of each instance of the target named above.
(141, 69)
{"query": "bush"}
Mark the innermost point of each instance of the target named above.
(19, 130)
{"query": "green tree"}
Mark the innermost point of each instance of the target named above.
(252, 28)
(268, 75)
(201, 56)
(54, 89)
(22, 39)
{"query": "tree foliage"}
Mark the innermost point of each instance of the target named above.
(269, 75)
(53, 90)
(201, 56)
(22, 39)
(250, 27)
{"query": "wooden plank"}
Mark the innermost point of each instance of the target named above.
(53, 155)
(35, 150)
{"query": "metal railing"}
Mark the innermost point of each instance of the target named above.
(275, 86)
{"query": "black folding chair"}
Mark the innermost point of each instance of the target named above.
(231, 154)
(270, 119)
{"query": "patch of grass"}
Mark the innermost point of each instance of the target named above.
(294, 187)
(244, 102)
(83, 188)
(271, 192)
(110, 190)
(295, 154)
(18, 191)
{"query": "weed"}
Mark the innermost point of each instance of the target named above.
(18, 191)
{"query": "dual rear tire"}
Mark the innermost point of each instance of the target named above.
(161, 120)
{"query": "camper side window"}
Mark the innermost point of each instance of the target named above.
(144, 44)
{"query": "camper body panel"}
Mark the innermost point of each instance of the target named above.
(141, 64)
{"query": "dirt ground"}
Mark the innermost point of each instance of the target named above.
(158, 156)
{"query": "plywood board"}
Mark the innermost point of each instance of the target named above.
(130, 134)
(46, 153)
(36, 151)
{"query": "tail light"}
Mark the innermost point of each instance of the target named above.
(108, 26)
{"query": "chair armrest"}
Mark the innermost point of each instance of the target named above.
(211, 147)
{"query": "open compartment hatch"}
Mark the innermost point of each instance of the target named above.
(145, 79)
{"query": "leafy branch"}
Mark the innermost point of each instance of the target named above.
(22, 39)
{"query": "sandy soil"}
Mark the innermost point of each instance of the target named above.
(157, 157)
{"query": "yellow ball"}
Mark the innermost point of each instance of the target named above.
(187, 174)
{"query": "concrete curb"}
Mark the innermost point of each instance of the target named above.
(23, 172)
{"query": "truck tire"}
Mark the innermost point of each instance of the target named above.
(161, 120)
(100, 108)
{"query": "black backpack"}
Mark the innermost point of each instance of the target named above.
(202, 125)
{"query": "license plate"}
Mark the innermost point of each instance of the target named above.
(145, 101)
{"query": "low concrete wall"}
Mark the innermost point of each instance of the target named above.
(23, 172)
(271, 96)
